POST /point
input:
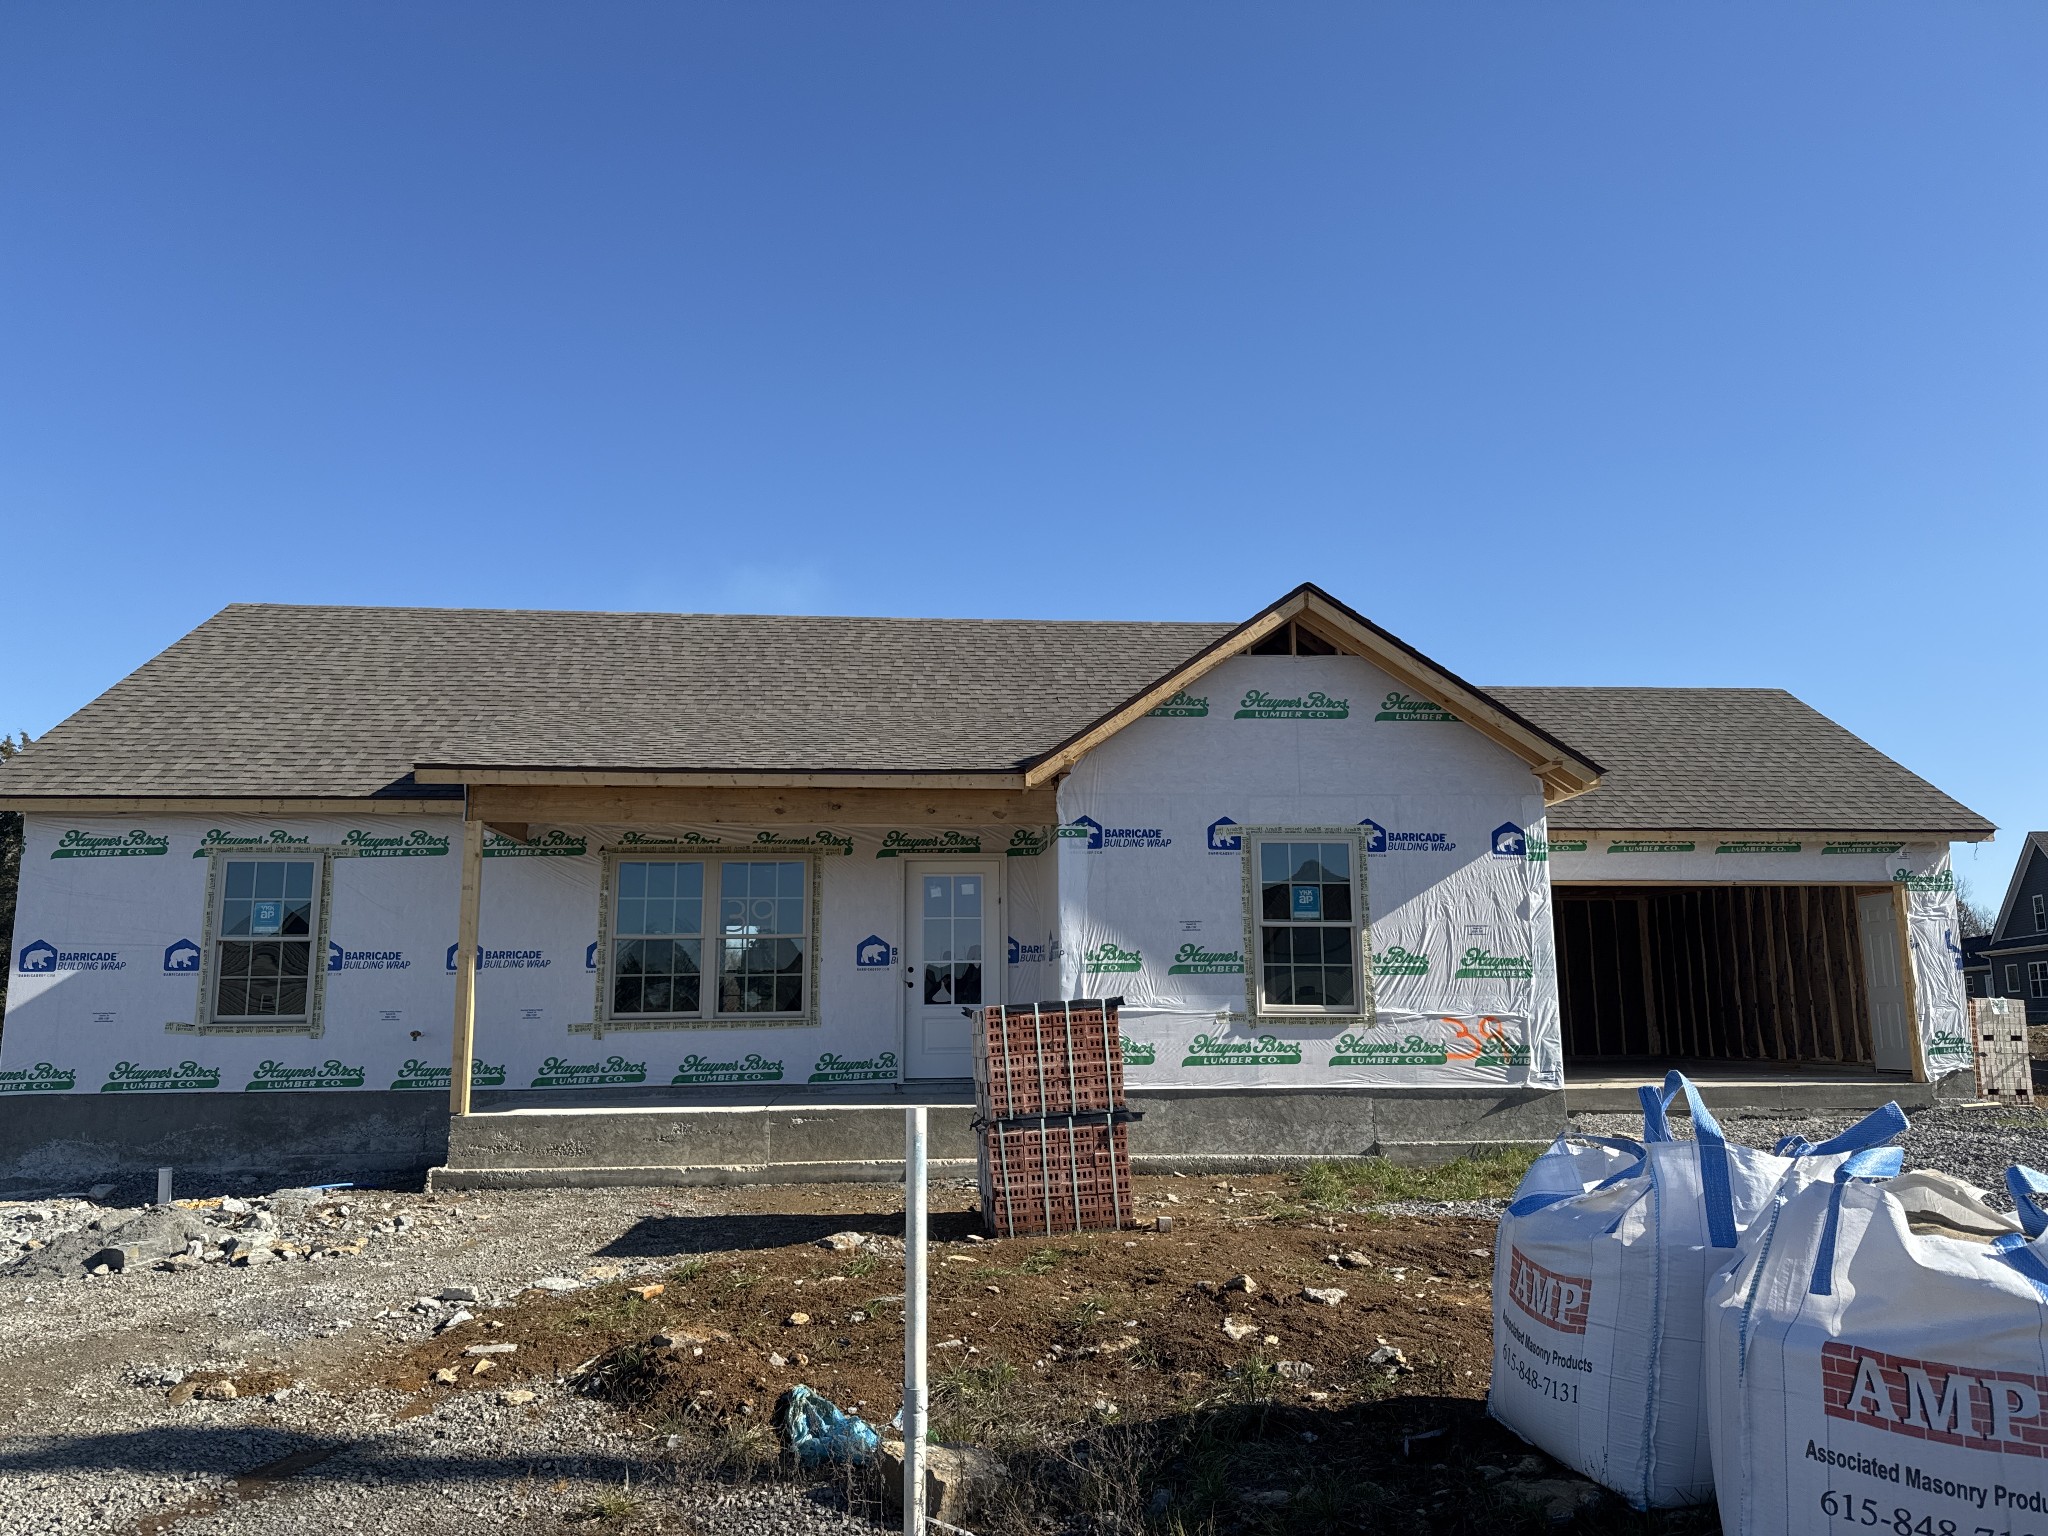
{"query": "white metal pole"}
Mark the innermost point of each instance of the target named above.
(916, 1397)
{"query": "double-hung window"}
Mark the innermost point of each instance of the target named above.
(2012, 979)
(709, 939)
(1307, 910)
(265, 917)
(2037, 978)
(2041, 914)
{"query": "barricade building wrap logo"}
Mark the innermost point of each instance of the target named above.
(1182, 705)
(879, 1068)
(1258, 705)
(1111, 959)
(42, 958)
(1194, 960)
(1224, 836)
(278, 1077)
(551, 844)
(1396, 961)
(110, 845)
(895, 843)
(556, 1072)
(220, 837)
(1379, 840)
(413, 844)
(435, 1075)
(1138, 1053)
(1266, 1051)
(873, 953)
(40, 1078)
(1026, 954)
(1478, 964)
(340, 959)
(185, 1077)
(506, 959)
(752, 1068)
(1028, 843)
(1559, 1302)
(1099, 837)
(1961, 1405)
(1510, 842)
(181, 958)
(1365, 1051)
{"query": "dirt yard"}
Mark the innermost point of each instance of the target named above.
(611, 1361)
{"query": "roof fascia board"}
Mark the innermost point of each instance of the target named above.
(224, 805)
(1564, 772)
(1211, 656)
(2036, 848)
(1751, 834)
(443, 773)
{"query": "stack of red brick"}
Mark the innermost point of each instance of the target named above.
(1049, 1091)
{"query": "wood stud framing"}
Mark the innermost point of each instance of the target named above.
(1729, 973)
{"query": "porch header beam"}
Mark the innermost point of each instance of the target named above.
(570, 805)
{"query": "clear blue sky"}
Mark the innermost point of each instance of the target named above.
(1574, 343)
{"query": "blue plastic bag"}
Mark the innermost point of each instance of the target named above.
(820, 1431)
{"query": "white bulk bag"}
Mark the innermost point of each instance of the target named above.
(1599, 1279)
(1869, 1375)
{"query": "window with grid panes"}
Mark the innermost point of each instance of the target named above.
(263, 939)
(1307, 926)
(761, 925)
(2037, 978)
(709, 939)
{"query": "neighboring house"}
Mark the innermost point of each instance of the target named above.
(2016, 954)
(307, 850)
(1977, 968)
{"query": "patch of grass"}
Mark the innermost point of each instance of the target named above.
(1336, 1186)
(864, 1264)
(738, 1280)
(1042, 1262)
(687, 1271)
(611, 1507)
(977, 1403)
(611, 1311)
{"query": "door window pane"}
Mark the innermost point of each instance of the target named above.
(953, 939)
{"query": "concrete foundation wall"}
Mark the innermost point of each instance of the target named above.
(67, 1143)
(63, 1142)
(1191, 1130)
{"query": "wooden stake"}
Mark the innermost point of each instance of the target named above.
(465, 966)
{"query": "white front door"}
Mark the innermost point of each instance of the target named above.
(1884, 978)
(951, 963)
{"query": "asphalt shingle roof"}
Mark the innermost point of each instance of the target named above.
(274, 700)
(1731, 759)
(269, 700)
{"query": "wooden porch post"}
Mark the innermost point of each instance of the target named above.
(465, 964)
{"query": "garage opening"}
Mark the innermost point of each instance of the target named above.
(1752, 973)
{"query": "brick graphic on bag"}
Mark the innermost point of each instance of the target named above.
(1557, 1301)
(1929, 1400)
